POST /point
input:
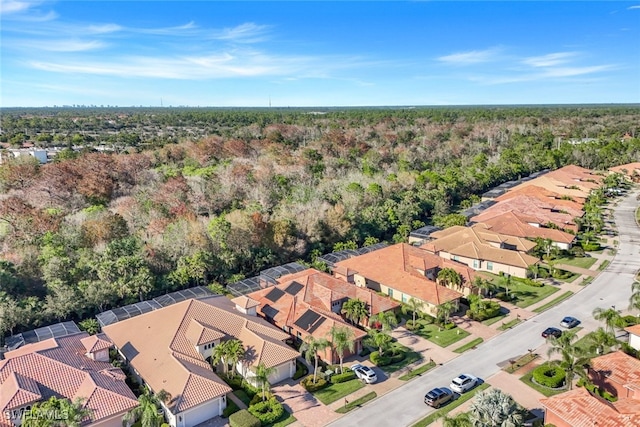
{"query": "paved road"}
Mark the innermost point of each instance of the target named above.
(404, 406)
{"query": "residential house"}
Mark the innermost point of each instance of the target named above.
(71, 367)
(571, 180)
(483, 250)
(309, 303)
(535, 212)
(630, 170)
(403, 272)
(168, 349)
(558, 200)
(512, 224)
(618, 374)
(634, 336)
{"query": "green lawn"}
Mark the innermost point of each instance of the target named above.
(356, 403)
(443, 338)
(553, 302)
(450, 407)
(519, 363)
(493, 320)
(417, 372)
(469, 345)
(544, 390)
(604, 265)
(410, 357)
(584, 262)
(528, 295)
(337, 391)
(509, 324)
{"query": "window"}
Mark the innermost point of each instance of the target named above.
(404, 298)
(455, 257)
(489, 266)
(390, 292)
(476, 263)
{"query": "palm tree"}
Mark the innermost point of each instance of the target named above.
(462, 419)
(573, 359)
(485, 285)
(342, 338)
(262, 374)
(534, 269)
(147, 412)
(386, 319)
(220, 355)
(610, 316)
(493, 408)
(310, 348)
(234, 353)
(413, 305)
(448, 276)
(355, 310)
(505, 282)
(601, 341)
(380, 339)
(445, 310)
(40, 415)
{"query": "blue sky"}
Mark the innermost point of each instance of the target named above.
(302, 53)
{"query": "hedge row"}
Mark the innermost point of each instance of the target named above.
(310, 386)
(268, 411)
(386, 358)
(549, 376)
(348, 375)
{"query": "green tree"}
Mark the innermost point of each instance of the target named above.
(445, 309)
(601, 341)
(380, 339)
(342, 338)
(413, 306)
(90, 325)
(386, 319)
(573, 359)
(493, 408)
(235, 353)
(450, 277)
(634, 299)
(355, 310)
(610, 316)
(310, 348)
(148, 411)
(40, 415)
(261, 375)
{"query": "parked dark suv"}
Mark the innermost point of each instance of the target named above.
(438, 397)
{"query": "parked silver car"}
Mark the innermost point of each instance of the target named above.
(463, 383)
(365, 373)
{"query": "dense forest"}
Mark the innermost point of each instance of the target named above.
(184, 197)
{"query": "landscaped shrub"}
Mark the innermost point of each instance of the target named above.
(410, 326)
(301, 370)
(378, 360)
(242, 395)
(630, 320)
(491, 309)
(258, 398)
(577, 251)
(268, 411)
(531, 282)
(244, 418)
(348, 375)
(626, 348)
(591, 246)
(310, 386)
(235, 383)
(502, 296)
(427, 319)
(365, 352)
(449, 326)
(549, 376)
(561, 274)
(231, 408)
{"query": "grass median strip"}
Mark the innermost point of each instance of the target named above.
(510, 324)
(604, 265)
(493, 320)
(356, 403)
(553, 302)
(417, 372)
(450, 407)
(469, 345)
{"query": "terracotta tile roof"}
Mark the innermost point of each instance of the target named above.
(471, 242)
(313, 300)
(533, 210)
(559, 180)
(629, 168)
(96, 343)
(265, 349)
(397, 266)
(58, 367)
(578, 408)
(619, 368)
(635, 329)
(199, 334)
(545, 195)
(159, 346)
(511, 224)
(245, 302)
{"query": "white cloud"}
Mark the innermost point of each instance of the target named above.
(470, 57)
(58, 45)
(549, 60)
(544, 74)
(634, 7)
(247, 32)
(11, 6)
(104, 28)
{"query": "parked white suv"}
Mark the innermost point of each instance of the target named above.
(365, 373)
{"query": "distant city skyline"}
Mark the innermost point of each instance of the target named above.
(322, 54)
